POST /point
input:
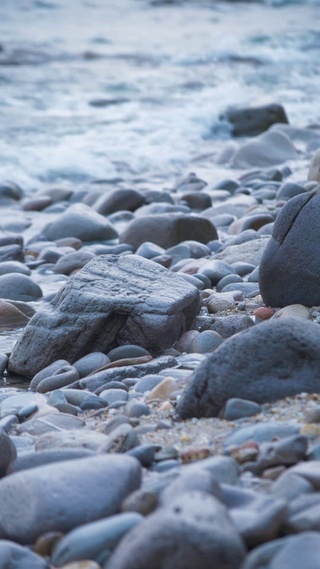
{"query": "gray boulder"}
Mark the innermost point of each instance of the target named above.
(254, 120)
(295, 552)
(268, 149)
(289, 269)
(269, 361)
(15, 286)
(113, 300)
(194, 531)
(80, 221)
(167, 230)
(64, 495)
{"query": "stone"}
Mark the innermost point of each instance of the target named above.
(74, 439)
(236, 408)
(254, 120)
(163, 390)
(287, 451)
(90, 363)
(193, 531)
(121, 199)
(167, 230)
(31, 459)
(64, 495)
(112, 395)
(294, 311)
(289, 267)
(72, 262)
(286, 361)
(295, 552)
(11, 252)
(229, 325)
(249, 251)
(11, 317)
(8, 453)
(191, 183)
(16, 286)
(289, 190)
(13, 404)
(314, 168)
(62, 377)
(261, 432)
(95, 540)
(207, 341)
(14, 556)
(127, 351)
(80, 221)
(304, 514)
(113, 300)
(310, 471)
(188, 481)
(51, 422)
(136, 409)
(257, 517)
(268, 149)
(14, 267)
(142, 501)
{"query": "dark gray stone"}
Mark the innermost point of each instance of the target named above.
(168, 229)
(91, 362)
(269, 361)
(113, 300)
(262, 432)
(194, 531)
(254, 120)
(229, 325)
(238, 408)
(64, 495)
(289, 269)
(289, 190)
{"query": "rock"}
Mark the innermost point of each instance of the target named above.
(194, 531)
(294, 311)
(236, 408)
(127, 351)
(80, 221)
(13, 404)
(248, 251)
(36, 426)
(294, 552)
(74, 439)
(257, 517)
(31, 459)
(94, 541)
(287, 452)
(167, 230)
(261, 432)
(289, 190)
(122, 199)
(72, 262)
(90, 363)
(64, 495)
(229, 325)
(310, 471)
(314, 169)
(188, 481)
(207, 341)
(286, 362)
(163, 390)
(255, 120)
(136, 409)
(267, 149)
(14, 267)
(11, 252)
(191, 183)
(252, 221)
(15, 286)
(8, 452)
(141, 501)
(11, 316)
(112, 395)
(290, 486)
(61, 377)
(113, 300)
(304, 514)
(289, 268)
(15, 556)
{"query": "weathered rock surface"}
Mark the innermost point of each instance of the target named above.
(269, 361)
(167, 230)
(111, 301)
(64, 495)
(289, 269)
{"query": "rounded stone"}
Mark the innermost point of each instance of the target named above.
(80, 221)
(91, 362)
(127, 351)
(16, 286)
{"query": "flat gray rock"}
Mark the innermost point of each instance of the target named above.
(113, 300)
(269, 361)
(64, 495)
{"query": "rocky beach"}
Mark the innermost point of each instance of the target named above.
(159, 285)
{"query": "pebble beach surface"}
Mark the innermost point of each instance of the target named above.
(160, 325)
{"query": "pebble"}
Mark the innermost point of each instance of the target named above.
(238, 408)
(16, 286)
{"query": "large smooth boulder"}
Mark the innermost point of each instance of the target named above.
(255, 120)
(167, 230)
(269, 361)
(64, 495)
(195, 531)
(290, 266)
(112, 301)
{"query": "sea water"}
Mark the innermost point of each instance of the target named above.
(133, 89)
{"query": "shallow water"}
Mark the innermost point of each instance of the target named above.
(102, 89)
